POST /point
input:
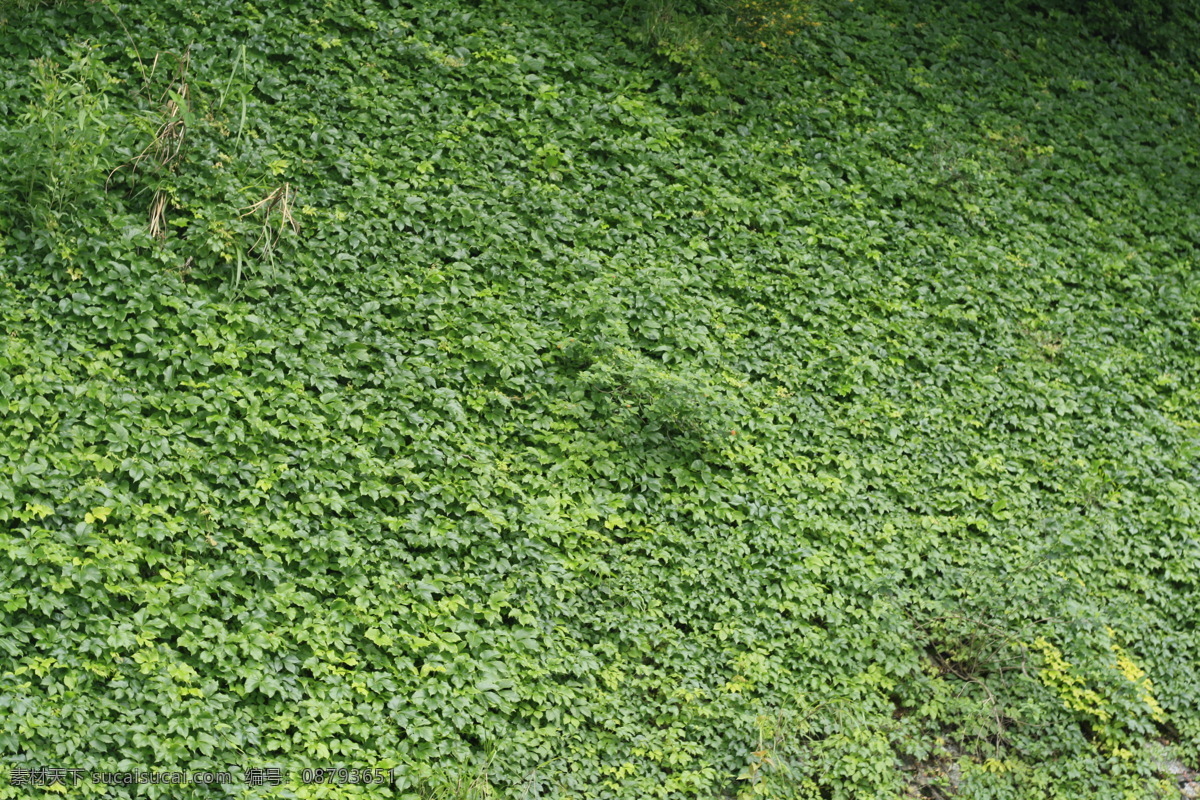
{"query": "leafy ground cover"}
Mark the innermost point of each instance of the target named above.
(465, 390)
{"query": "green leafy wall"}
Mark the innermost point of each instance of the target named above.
(499, 404)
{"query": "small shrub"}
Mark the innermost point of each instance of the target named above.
(696, 36)
(65, 141)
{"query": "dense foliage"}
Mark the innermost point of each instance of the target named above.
(1160, 26)
(469, 391)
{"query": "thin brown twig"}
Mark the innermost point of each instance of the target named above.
(158, 215)
(282, 200)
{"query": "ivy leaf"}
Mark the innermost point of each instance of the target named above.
(97, 514)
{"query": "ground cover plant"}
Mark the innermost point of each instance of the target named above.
(486, 395)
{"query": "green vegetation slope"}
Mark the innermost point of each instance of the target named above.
(465, 390)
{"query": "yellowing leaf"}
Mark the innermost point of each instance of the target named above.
(40, 510)
(97, 514)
